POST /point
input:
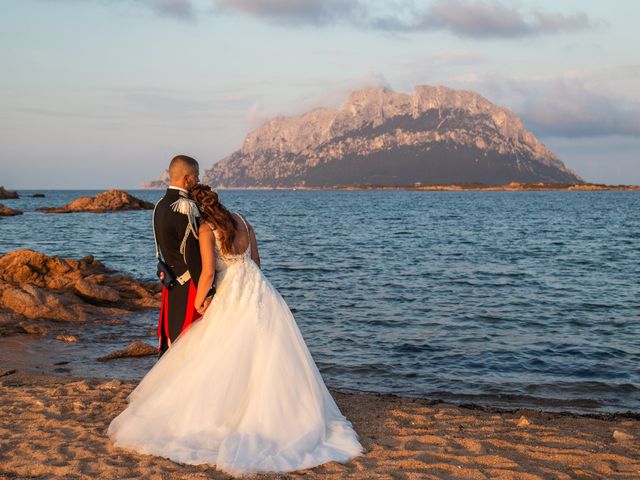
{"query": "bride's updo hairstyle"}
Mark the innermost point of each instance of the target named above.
(215, 213)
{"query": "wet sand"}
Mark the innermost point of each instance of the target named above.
(54, 427)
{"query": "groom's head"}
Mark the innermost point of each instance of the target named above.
(184, 172)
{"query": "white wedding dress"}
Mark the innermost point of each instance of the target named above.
(238, 389)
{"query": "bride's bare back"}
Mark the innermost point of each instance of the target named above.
(244, 244)
(244, 238)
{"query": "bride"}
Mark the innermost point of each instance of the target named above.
(238, 389)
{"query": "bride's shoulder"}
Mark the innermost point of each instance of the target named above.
(206, 229)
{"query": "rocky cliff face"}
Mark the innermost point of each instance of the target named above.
(381, 137)
(161, 182)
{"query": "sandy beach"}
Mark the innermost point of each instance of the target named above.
(54, 427)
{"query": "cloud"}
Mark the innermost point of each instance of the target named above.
(320, 95)
(557, 22)
(480, 19)
(257, 116)
(464, 18)
(176, 8)
(472, 18)
(179, 9)
(570, 109)
(335, 94)
(317, 12)
(487, 19)
(572, 105)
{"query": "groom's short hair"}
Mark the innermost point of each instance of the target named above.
(181, 163)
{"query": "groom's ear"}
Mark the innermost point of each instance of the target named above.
(182, 166)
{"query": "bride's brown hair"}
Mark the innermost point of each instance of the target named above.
(213, 211)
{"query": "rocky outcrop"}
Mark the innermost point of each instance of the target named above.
(8, 212)
(109, 201)
(6, 194)
(380, 137)
(135, 349)
(35, 287)
(38, 195)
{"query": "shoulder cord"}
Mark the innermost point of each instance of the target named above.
(187, 207)
(189, 229)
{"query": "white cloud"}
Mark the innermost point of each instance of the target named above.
(573, 104)
(335, 95)
(257, 115)
(177, 8)
(479, 19)
(318, 12)
(465, 18)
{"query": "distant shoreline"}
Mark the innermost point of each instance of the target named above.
(514, 186)
(452, 187)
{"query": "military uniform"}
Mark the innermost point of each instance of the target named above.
(175, 223)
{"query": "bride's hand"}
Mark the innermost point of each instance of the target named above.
(201, 308)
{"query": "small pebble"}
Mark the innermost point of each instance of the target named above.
(621, 436)
(67, 338)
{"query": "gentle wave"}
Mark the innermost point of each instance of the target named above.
(521, 298)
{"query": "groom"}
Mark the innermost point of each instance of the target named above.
(175, 223)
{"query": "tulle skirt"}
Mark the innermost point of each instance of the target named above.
(238, 390)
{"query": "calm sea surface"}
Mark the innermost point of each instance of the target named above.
(500, 298)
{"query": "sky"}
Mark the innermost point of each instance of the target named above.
(100, 94)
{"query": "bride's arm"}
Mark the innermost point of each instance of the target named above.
(208, 255)
(255, 255)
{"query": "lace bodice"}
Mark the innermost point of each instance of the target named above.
(224, 261)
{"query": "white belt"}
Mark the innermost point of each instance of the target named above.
(184, 278)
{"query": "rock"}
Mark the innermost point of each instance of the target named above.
(36, 303)
(38, 195)
(30, 267)
(523, 422)
(67, 338)
(91, 291)
(434, 135)
(136, 349)
(115, 321)
(110, 385)
(37, 287)
(6, 194)
(9, 212)
(622, 436)
(32, 328)
(109, 201)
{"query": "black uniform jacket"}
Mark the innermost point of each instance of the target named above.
(170, 228)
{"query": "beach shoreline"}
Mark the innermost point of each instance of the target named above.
(55, 427)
